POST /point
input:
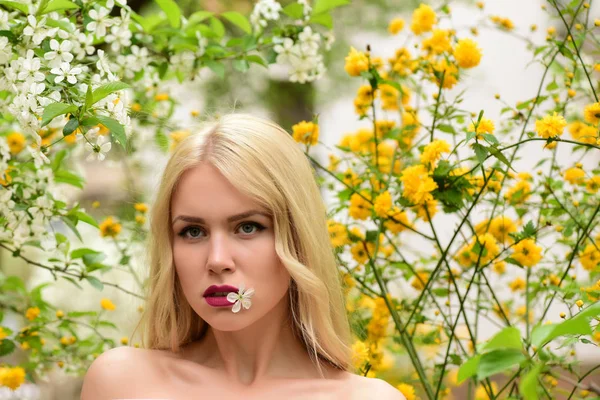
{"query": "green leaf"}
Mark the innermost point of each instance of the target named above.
(56, 5)
(529, 383)
(577, 325)
(490, 138)
(551, 86)
(257, 60)
(62, 24)
(294, 10)
(58, 158)
(73, 281)
(507, 338)
(161, 141)
(88, 219)
(64, 176)
(469, 368)
(70, 126)
(322, 19)
(498, 361)
(107, 89)
(172, 11)
(239, 20)
(95, 282)
(14, 283)
(77, 314)
(217, 68)
(107, 324)
(321, 6)
(116, 129)
(69, 222)
(89, 99)
(498, 154)
(6, 347)
(480, 151)
(78, 253)
(217, 27)
(446, 128)
(199, 16)
(53, 110)
(15, 5)
(241, 65)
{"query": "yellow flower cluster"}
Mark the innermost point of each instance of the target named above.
(177, 137)
(591, 113)
(499, 227)
(359, 142)
(590, 258)
(109, 227)
(423, 19)
(306, 132)
(574, 176)
(433, 151)
(356, 62)
(407, 390)
(485, 244)
(12, 377)
(438, 43)
(360, 206)
(402, 63)
(527, 253)
(550, 125)
(395, 25)
(467, 53)
(583, 132)
(417, 184)
(364, 99)
(486, 125)
(32, 313)
(504, 23)
(16, 142)
(338, 234)
(107, 304)
(519, 193)
(399, 222)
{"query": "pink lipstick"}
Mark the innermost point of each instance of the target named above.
(216, 296)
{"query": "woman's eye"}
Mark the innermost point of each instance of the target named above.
(193, 232)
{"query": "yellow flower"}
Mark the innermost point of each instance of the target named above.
(420, 280)
(140, 219)
(448, 71)
(359, 207)
(417, 183)
(383, 204)
(527, 253)
(16, 142)
(574, 175)
(438, 43)
(467, 53)
(177, 137)
(504, 23)
(486, 125)
(550, 125)
(161, 97)
(583, 132)
(518, 193)
(590, 258)
(426, 210)
(338, 234)
(407, 390)
(593, 184)
(141, 207)
(107, 304)
(124, 340)
(60, 314)
(360, 254)
(396, 25)
(423, 19)
(591, 113)
(64, 341)
(501, 226)
(433, 151)
(3, 334)
(109, 227)
(360, 353)
(12, 377)
(490, 248)
(517, 284)
(306, 132)
(499, 267)
(399, 222)
(32, 313)
(356, 62)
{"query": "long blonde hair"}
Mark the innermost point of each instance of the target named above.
(262, 161)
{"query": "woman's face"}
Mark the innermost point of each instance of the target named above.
(212, 247)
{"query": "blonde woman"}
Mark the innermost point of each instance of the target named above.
(245, 299)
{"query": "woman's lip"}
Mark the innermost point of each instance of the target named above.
(222, 288)
(218, 301)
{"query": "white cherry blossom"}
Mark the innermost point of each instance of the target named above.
(66, 72)
(100, 21)
(100, 149)
(60, 53)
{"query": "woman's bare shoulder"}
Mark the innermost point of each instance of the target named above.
(116, 369)
(375, 388)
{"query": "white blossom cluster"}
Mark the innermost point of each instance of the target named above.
(302, 55)
(263, 12)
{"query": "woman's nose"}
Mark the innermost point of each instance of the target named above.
(219, 257)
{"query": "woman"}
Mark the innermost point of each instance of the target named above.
(237, 313)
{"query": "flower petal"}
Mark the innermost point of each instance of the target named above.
(249, 293)
(246, 303)
(232, 297)
(237, 306)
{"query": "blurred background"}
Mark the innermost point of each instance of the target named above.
(505, 69)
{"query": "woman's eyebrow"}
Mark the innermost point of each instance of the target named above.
(233, 218)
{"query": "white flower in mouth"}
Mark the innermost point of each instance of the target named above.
(242, 298)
